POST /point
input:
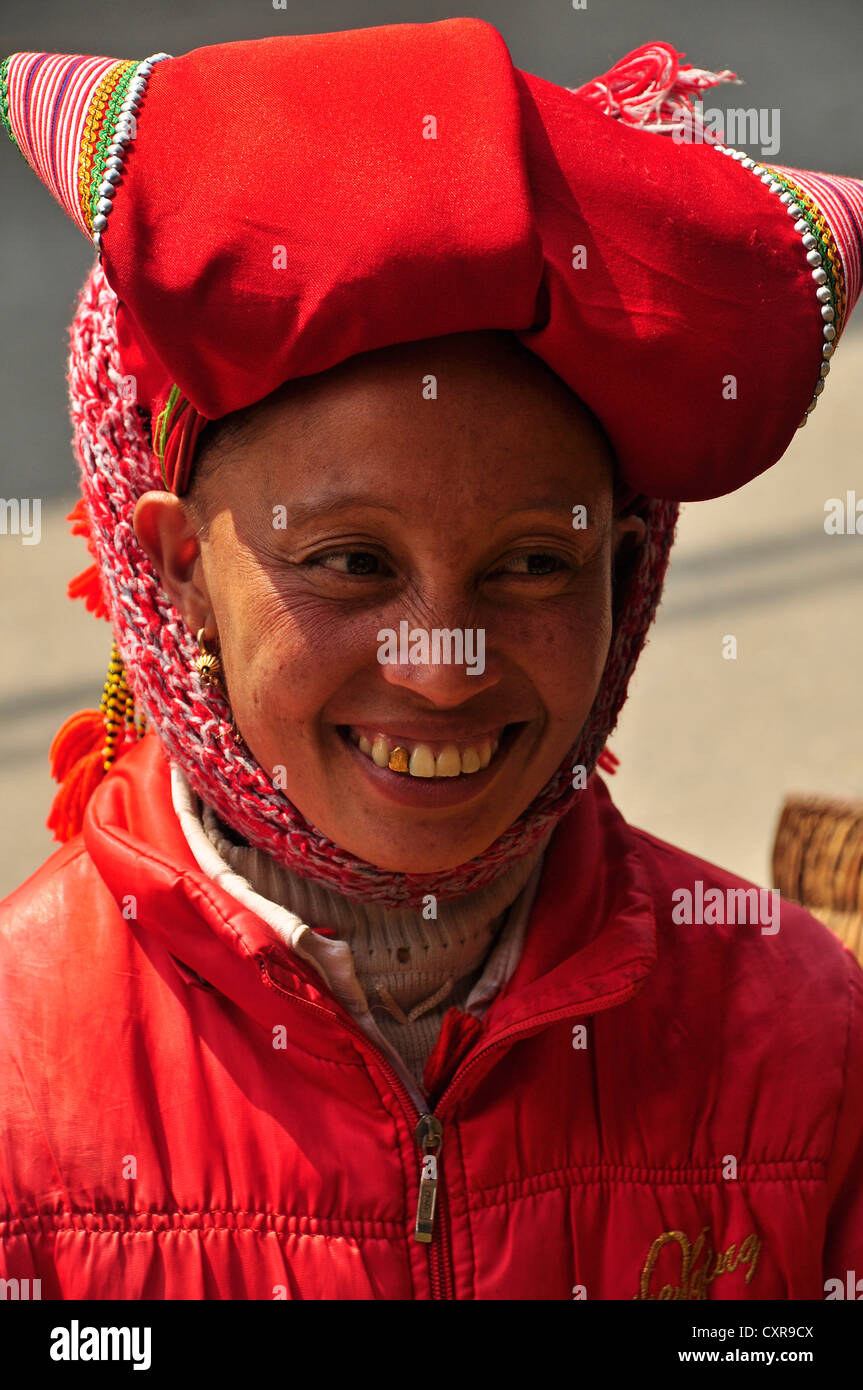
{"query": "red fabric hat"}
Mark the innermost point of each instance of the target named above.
(265, 210)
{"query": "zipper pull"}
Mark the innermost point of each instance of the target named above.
(429, 1137)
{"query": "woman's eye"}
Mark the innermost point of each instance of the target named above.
(353, 562)
(535, 562)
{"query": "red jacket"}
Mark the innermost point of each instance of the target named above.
(647, 1110)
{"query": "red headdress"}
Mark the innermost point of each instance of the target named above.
(251, 229)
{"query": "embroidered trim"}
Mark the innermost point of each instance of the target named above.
(822, 255)
(107, 132)
(4, 100)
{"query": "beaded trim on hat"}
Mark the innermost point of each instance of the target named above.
(833, 248)
(73, 117)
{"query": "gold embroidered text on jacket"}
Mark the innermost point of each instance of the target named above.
(694, 1277)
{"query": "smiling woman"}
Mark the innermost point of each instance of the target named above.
(351, 981)
(451, 514)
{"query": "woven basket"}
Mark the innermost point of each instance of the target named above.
(818, 862)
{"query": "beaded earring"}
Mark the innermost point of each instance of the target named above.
(117, 708)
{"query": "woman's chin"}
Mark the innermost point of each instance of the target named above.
(415, 859)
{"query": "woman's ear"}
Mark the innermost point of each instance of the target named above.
(168, 534)
(629, 525)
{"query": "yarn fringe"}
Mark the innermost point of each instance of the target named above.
(608, 761)
(651, 88)
(88, 584)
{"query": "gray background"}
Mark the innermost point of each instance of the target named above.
(709, 748)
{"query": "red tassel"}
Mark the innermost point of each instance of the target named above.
(650, 87)
(608, 761)
(82, 734)
(88, 586)
(80, 520)
(67, 809)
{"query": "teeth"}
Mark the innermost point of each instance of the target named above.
(448, 762)
(422, 762)
(418, 759)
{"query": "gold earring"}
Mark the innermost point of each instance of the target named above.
(208, 665)
(209, 668)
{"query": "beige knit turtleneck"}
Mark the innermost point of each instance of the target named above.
(406, 966)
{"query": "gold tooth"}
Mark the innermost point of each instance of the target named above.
(399, 759)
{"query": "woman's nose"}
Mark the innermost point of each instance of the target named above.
(446, 665)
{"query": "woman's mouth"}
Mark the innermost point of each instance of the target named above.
(428, 773)
(415, 757)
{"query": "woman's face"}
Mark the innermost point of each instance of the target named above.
(366, 529)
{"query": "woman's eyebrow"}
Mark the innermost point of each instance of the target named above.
(298, 512)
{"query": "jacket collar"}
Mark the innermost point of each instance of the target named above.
(591, 940)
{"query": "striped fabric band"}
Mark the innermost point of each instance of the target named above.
(64, 112)
(50, 96)
(839, 200)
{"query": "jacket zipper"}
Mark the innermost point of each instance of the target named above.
(428, 1133)
(428, 1136)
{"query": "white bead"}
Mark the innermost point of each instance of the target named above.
(828, 313)
(819, 275)
(794, 209)
(775, 185)
(106, 190)
(808, 240)
(113, 162)
(813, 257)
(785, 198)
(100, 222)
(748, 163)
(117, 150)
(103, 205)
(822, 294)
(819, 388)
(825, 367)
(112, 176)
(829, 332)
(827, 351)
(801, 225)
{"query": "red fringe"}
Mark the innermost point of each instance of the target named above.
(67, 809)
(608, 761)
(88, 586)
(80, 521)
(82, 734)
